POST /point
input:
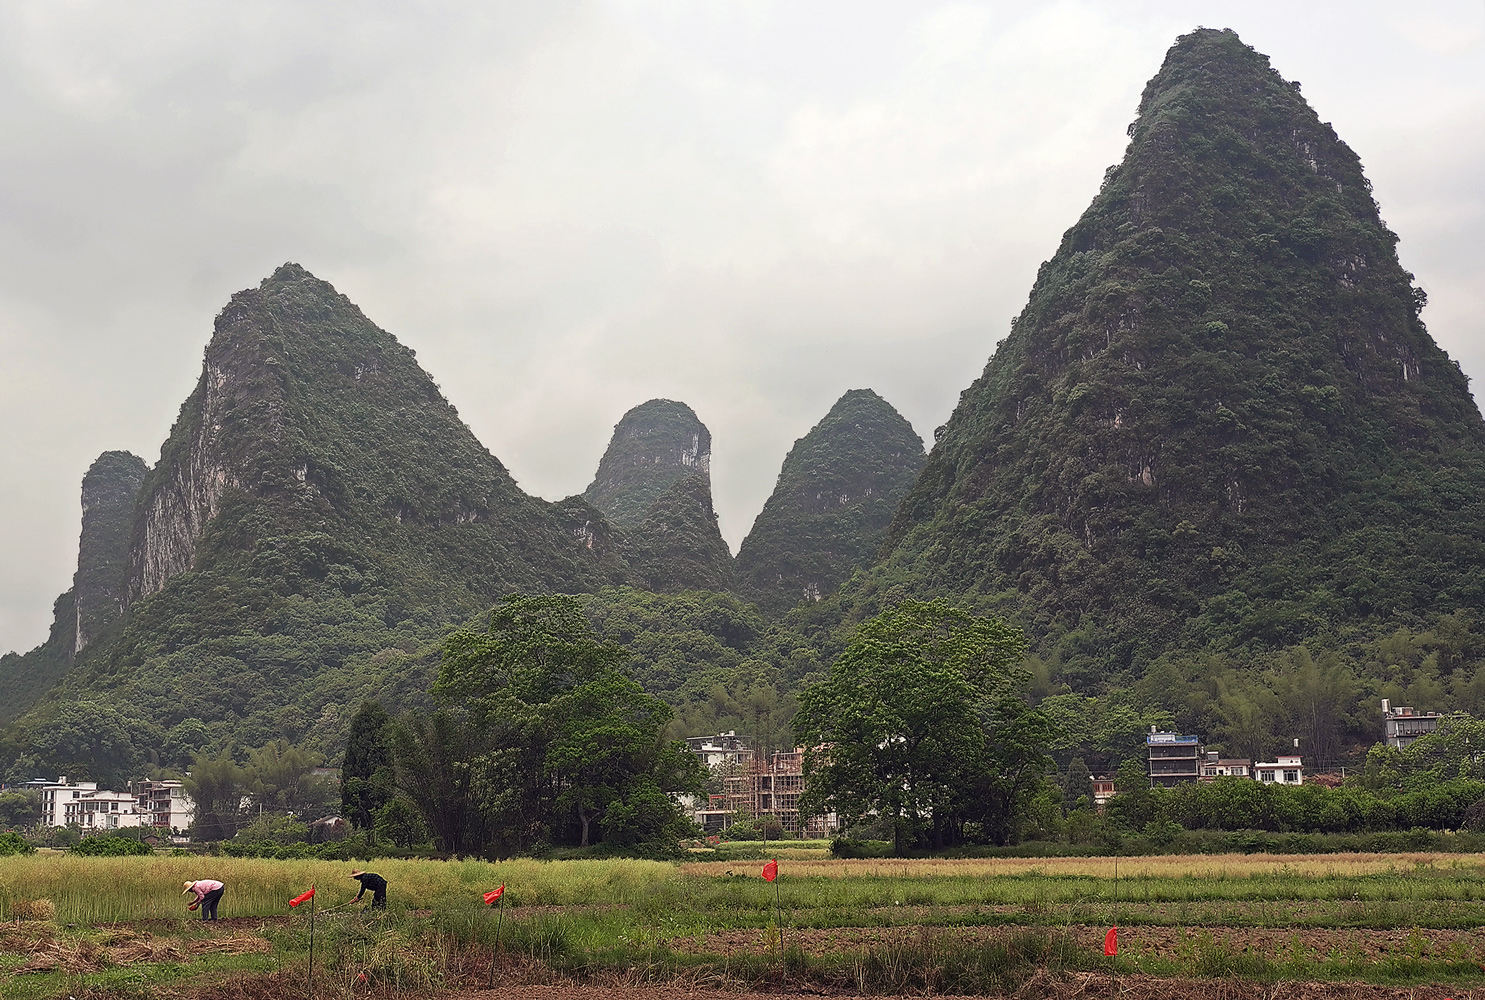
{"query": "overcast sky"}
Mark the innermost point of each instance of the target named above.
(569, 208)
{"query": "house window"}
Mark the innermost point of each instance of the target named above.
(1292, 777)
(1265, 776)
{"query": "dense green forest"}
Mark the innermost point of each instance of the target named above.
(1219, 424)
(1218, 477)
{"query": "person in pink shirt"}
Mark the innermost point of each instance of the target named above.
(208, 894)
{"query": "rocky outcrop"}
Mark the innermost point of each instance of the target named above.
(832, 505)
(225, 426)
(654, 483)
(653, 446)
(337, 449)
(110, 491)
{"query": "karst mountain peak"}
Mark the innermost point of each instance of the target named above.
(832, 504)
(1218, 428)
(1218, 405)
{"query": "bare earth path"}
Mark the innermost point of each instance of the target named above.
(1077, 987)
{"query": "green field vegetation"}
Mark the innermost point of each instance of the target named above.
(879, 926)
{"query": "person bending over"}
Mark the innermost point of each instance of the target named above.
(377, 885)
(208, 894)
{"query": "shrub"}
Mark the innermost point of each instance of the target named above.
(111, 847)
(14, 843)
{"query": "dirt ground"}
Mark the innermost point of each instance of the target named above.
(1082, 986)
(1312, 943)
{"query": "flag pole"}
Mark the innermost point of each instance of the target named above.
(778, 918)
(1114, 958)
(311, 988)
(499, 925)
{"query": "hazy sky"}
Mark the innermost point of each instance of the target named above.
(569, 208)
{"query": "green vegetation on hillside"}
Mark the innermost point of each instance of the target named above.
(1218, 423)
(830, 510)
(654, 445)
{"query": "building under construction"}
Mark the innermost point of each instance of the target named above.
(764, 785)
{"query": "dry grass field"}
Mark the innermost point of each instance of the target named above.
(1370, 926)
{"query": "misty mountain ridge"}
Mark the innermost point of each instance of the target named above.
(318, 503)
(1219, 425)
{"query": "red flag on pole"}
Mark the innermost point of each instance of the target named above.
(770, 871)
(494, 894)
(1111, 942)
(303, 897)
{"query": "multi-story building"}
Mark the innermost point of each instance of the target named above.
(1217, 766)
(1103, 790)
(1174, 759)
(56, 796)
(164, 804)
(1287, 770)
(764, 785)
(1402, 725)
(101, 809)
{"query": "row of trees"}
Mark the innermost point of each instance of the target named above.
(277, 781)
(1254, 703)
(539, 737)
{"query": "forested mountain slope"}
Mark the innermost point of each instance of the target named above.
(654, 482)
(832, 505)
(317, 502)
(1219, 421)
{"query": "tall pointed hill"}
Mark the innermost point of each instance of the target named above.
(317, 504)
(832, 505)
(1219, 421)
(95, 603)
(654, 482)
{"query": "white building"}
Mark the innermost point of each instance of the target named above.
(101, 809)
(1217, 766)
(163, 805)
(54, 799)
(1287, 770)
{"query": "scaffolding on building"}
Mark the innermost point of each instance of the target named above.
(765, 785)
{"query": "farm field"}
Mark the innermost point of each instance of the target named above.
(1240, 925)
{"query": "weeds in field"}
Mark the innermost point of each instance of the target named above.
(967, 927)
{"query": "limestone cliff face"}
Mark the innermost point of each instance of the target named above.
(654, 483)
(230, 420)
(832, 506)
(109, 493)
(654, 445)
(338, 457)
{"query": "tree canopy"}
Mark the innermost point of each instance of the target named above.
(899, 727)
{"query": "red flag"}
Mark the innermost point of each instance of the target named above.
(303, 897)
(770, 871)
(1111, 942)
(494, 894)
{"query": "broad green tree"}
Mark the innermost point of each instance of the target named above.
(217, 785)
(281, 777)
(366, 775)
(563, 745)
(898, 727)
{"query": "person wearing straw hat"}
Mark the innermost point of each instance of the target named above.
(374, 882)
(208, 892)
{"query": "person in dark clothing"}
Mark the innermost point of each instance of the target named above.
(377, 885)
